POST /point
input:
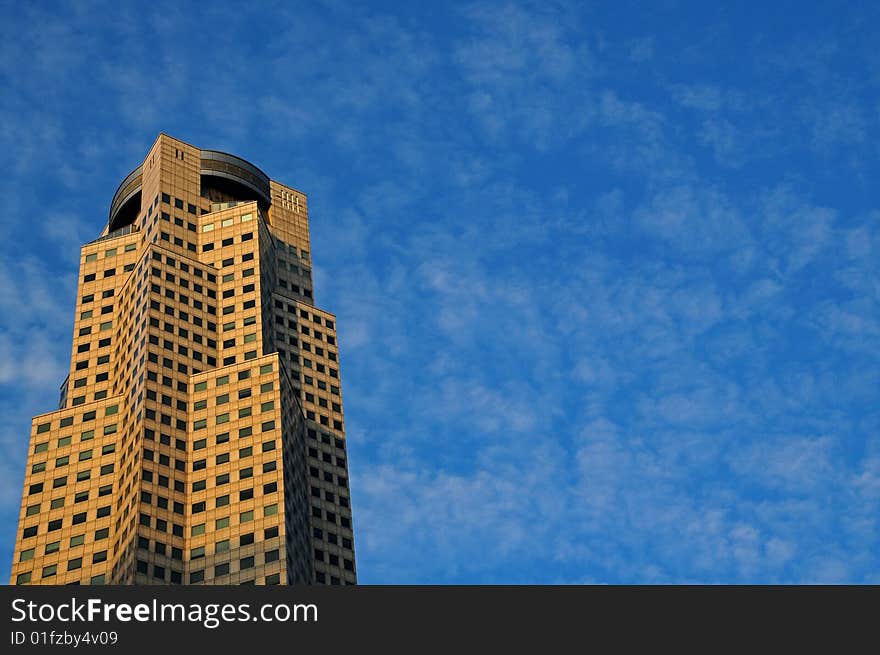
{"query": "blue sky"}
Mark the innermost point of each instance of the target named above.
(606, 274)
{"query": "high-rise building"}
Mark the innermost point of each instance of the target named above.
(199, 437)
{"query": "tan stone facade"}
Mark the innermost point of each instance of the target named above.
(200, 436)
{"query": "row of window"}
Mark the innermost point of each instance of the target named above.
(79, 497)
(243, 453)
(57, 524)
(159, 573)
(183, 281)
(226, 222)
(111, 252)
(67, 421)
(198, 321)
(73, 564)
(294, 287)
(223, 380)
(55, 546)
(178, 203)
(291, 249)
(207, 247)
(109, 272)
(107, 309)
(61, 481)
(331, 538)
(315, 318)
(177, 221)
(183, 266)
(84, 455)
(333, 559)
(25, 578)
(182, 298)
(90, 297)
(180, 465)
(84, 364)
(291, 339)
(330, 516)
(307, 331)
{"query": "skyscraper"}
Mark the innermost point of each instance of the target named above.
(199, 437)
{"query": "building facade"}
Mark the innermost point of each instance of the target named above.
(199, 437)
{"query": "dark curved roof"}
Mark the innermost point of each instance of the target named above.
(213, 163)
(128, 189)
